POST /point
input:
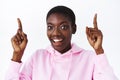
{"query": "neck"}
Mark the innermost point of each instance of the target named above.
(65, 50)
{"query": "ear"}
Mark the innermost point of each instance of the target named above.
(74, 28)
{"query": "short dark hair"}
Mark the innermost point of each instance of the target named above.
(64, 11)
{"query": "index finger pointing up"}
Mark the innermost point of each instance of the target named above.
(19, 24)
(95, 22)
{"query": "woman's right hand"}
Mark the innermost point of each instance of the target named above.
(19, 42)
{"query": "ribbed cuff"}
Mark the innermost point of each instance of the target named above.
(14, 66)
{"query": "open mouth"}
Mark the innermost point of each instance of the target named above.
(57, 42)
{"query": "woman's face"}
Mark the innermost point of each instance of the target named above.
(59, 32)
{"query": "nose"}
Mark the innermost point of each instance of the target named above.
(56, 32)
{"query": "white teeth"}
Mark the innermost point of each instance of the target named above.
(57, 40)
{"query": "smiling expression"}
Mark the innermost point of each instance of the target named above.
(59, 32)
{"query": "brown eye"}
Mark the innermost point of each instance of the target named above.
(64, 27)
(49, 28)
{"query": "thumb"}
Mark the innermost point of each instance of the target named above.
(25, 40)
(24, 36)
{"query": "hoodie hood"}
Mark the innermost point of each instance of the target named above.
(61, 63)
(74, 49)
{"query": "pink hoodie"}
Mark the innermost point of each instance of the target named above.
(75, 64)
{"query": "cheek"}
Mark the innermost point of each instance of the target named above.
(68, 36)
(48, 34)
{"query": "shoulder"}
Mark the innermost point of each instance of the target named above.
(81, 51)
(40, 52)
(87, 53)
(38, 56)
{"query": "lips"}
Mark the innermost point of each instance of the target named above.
(57, 41)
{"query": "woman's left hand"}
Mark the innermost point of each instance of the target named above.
(95, 37)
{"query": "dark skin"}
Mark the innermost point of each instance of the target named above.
(19, 42)
(95, 37)
(59, 32)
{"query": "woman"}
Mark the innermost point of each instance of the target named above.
(62, 60)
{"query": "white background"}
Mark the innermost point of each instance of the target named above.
(33, 16)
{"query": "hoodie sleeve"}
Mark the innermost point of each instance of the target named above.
(13, 72)
(102, 69)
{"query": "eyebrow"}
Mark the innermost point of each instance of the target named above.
(60, 23)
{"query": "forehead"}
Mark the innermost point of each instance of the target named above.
(57, 17)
